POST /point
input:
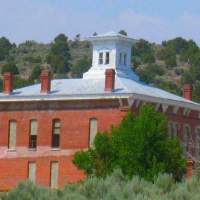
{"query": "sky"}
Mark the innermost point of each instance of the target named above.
(153, 20)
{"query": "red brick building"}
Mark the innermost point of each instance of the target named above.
(41, 126)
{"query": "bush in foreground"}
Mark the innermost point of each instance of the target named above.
(114, 187)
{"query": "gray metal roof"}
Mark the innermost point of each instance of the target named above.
(65, 89)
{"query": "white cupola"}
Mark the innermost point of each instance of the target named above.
(110, 50)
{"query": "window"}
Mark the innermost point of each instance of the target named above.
(120, 58)
(33, 134)
(198, 143)
(176, 130)
(170, 129)
(101, 58)
(56, 133)
(173, 129)
(186, 138)
(93, 130)
(54, 174)
(125, 59)
(32, 171)
(107, 58)
(12, 134)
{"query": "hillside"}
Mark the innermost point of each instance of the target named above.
(168, 65)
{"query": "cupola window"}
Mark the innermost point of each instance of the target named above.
(101, 58)
(120, 58)
(107, 58)
(125, 59)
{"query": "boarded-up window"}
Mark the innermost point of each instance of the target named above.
(93, 130)
(32, 171)
(33, 134)
(12, 134)
(54, 174)
(56, 133)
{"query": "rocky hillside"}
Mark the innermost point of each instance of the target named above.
(168, 65)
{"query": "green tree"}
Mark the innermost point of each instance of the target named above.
(138, 146)
(10, 67)
(123, 32)
(145, 51)
(35, 75)
(59, 55)
(5, 47)
(81, 66)
(149, 72)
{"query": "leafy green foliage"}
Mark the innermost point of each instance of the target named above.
(123, 32)
(81, 66)
(35, 73)
(10, 67)
(138, 146)
(148, 73)
(5, 47)
(144, 51)
(59, 55)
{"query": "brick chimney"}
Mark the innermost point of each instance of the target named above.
(7, 82)
(109, 80)
(189, 172)
(45, 79)
(187, 91)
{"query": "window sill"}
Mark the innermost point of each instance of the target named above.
(32, 149)
(55, 149)
(11, 150)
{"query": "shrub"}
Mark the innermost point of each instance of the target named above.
(114, 187)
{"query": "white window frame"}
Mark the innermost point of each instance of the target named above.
(54, 180)
(12, 144)
(93, 130)
(32, 171)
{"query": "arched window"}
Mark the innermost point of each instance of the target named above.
(197, 148)
(186, 138)
(93, 130)
(173, 129)
(12, 134)
(176, 129)
(56, 133)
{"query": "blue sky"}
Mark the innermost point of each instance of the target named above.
(154, 20)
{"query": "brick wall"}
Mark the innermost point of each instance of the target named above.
(74, 136)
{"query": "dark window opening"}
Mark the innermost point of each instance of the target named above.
(33, 142)
(56, 134)
(56, 141)
(101, 58)
(107, 58)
